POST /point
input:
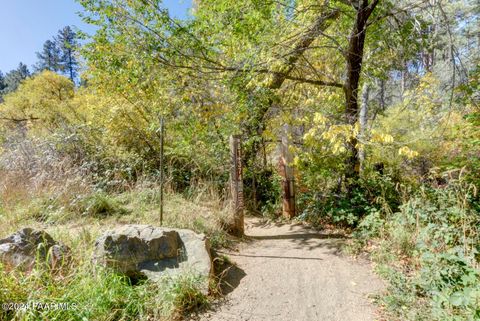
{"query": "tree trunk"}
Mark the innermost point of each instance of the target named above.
(286, 171)
(381, 96)
(403, 81)
(363, 123)
(354, 58)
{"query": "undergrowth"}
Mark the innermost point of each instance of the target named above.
(81, 292)
(428, 251)
(76, 217)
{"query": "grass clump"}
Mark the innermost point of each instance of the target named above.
(183, 294)
(100, 204)
(76, 213)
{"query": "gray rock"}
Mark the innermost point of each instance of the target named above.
(128, 246)
(24, 248)
(153, 252)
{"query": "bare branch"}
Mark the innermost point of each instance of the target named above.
(19, 120)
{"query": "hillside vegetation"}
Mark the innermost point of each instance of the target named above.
(378, 101)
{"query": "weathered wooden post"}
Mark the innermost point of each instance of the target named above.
(288, 179)
(236, 184)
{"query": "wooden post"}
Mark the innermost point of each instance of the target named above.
(162, 134)
(236, 184)
(288, 179)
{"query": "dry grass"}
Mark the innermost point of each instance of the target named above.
(67, 206)
(69, 209)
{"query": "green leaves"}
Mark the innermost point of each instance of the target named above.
(427, 245)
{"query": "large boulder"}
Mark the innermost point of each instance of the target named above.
(152, 252)
(26, 247)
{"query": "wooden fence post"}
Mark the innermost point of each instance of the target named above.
(288, 179)
(236, 184)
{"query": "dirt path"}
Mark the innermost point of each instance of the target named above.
(289, 272)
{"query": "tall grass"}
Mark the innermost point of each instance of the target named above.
(98, 294)
(63, 199)
(82, 292)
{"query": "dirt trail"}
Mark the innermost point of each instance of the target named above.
(289, 272)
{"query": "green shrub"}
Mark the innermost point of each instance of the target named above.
(429, 254)
(374, 193)
(100, 204)
(41, 209)
(264, 188)
(331, 208)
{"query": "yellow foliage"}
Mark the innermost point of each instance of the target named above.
(43, 99)
(405, 151)
(319, 119)
(333, 136)
(378, 137)
(417, 127)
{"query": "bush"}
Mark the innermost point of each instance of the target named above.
(373, 194)
(429, 253)
(264, 188)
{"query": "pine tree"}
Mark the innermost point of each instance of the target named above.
(13, 78)
(67, 43)
(49, 58)
(2, 81)
(2, 85)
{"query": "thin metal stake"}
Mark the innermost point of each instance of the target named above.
(162, 131)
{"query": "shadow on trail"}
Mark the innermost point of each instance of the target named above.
(228, 273)
(231, 279)
(267, 223)
(306, 241)
(276, 257)
(304, 236)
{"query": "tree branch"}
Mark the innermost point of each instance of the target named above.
(19, 120)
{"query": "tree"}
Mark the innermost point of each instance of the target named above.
(354, 62)
(268, 63)
(2, 81)
(259, 50)
(2, 84)
(67, 43)
(14, 77)
(43, 98)
(49, 57)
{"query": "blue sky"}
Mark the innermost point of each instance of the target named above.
(26, 24)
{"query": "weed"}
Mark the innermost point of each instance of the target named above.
(183, 294)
